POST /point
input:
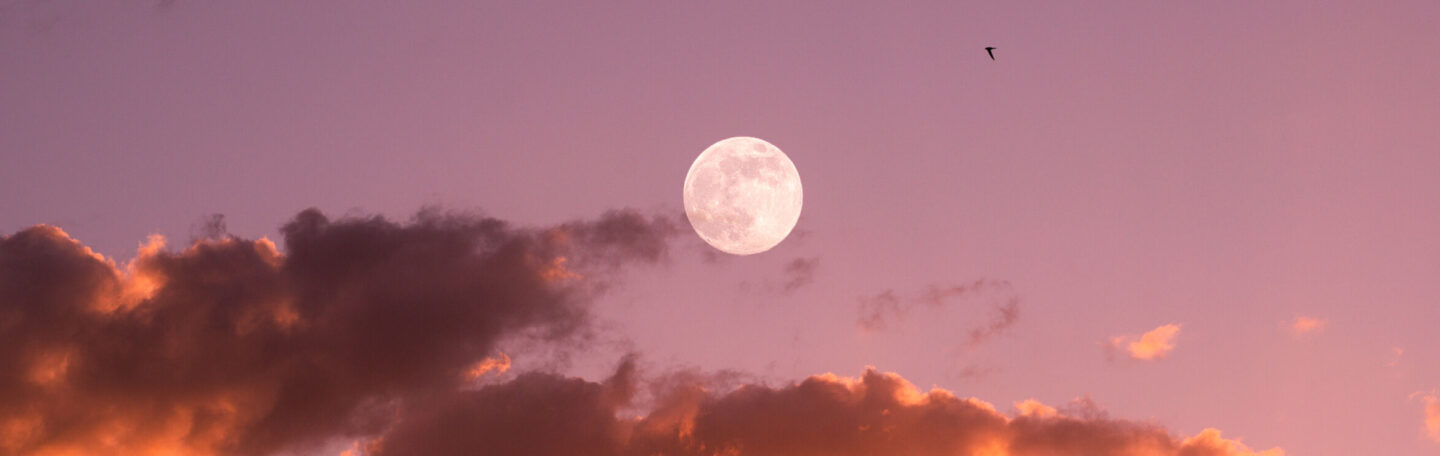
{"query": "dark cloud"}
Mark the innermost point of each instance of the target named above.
(535, 414)
(212, 227)
(231, 347)
(976, 372)
(875, 312)
(1004, 314)
(879, 413)
(794, 275)
(875, 309)
(798, 273)
(377, 332)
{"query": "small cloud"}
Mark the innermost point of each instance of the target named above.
(798, 273)
(1152, 345)
(1431, 400)
(1302, 325)
(976, 372)
(1398, 352)
(1432, 417)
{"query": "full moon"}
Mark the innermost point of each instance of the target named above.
(742, 195)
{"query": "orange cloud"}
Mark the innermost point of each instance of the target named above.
(488, 365)
(1431, 401)
(1210, 440)
(1031, 407)
(1399, 353)
(1152, 345)
(49, 368)
(556, 271)
(1302, 325)
(877, 413)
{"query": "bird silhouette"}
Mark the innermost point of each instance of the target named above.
(991, 51)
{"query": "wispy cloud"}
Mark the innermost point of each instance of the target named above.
(878, 311)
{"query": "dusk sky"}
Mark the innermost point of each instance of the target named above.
(457, 227)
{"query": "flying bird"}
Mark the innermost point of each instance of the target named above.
(991, 51)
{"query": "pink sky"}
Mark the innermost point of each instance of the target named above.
(1226, 167)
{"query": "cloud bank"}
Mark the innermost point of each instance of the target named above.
(877, 413)
(230, 347)
(381, 333)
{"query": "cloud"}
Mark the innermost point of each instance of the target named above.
(231, 347)
(1431, 402)
(976, 372)
(1031, 407)
(878, 413)
(388, 335)
(496, 365)
(798, 273)
(1006, 314)
(875, 309)
(794, 275)
(875, 312)
(1153, 345)
(1432, 417)
(1302, 325)
(1399, 353)
(535, 414)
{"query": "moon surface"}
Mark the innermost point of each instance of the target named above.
(742, 195)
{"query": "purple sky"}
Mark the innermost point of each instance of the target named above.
(1223, 166)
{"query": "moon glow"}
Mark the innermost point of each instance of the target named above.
(742, 195)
